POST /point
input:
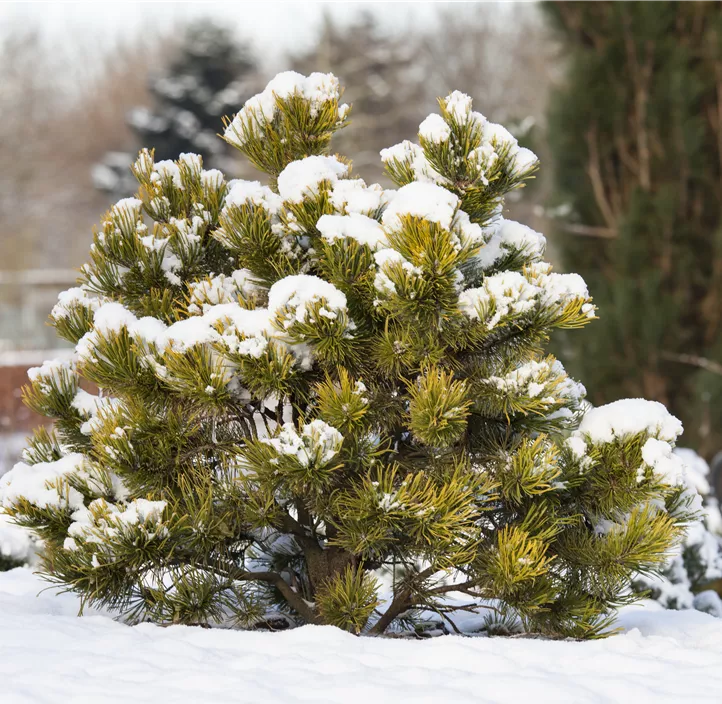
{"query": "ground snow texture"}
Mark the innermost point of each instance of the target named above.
(49, 655)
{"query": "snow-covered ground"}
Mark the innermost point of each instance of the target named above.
(49, 655)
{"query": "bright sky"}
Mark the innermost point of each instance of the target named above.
(273, 27)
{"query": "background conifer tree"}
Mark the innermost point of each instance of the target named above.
(637, 140)
(311, 383)
(692, 578)
(211, 75)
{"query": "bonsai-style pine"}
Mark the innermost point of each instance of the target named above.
(326, 402)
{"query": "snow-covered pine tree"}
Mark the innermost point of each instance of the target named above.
(689, 578)
(210, 76)
(311, 383)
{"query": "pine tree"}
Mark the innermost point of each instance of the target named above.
(637, 139)
(383, 79)
(311, 383)
(210, 76)
(691, 578)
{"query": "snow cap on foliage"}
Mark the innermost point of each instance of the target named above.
(538, 376)
(220, 289)
(127, 208)
(101, 521)
(627, 417)
(252, 193)
(363, 229)
(523, 160)
(458, 105)
(413, 155)
(185, 334)
(300, 179)
(42, 484)
(498, 135)
(50, 371)
(112, 317)
(383, 257)
(697, 470)
(71, 298)
(167, 169)
(212, 179)
(352, 195)
(258, 111)
(294, 295)
(508, 291)
(507, 236)
(435, 129)
(421, 200)
(317, 444)
(16, 542)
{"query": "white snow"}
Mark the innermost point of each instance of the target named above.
(458, 105)
(627, 417)
(212, 179)
(167, 169)
(421, 200)
(515, 234)
(50, 656)
(500, 136)
(112, 317)
(659, 455)
(317, 444)
(42, 484)
(101, 521)
(300, 179)
(400, 152)
(363, 229)
(128, 207)
(220, 289)
(537, 376)
(295, 293)
(508, 236)
(193, 162)
(15, 541)
(523, 160)
(185, 334)
(435, 129)
(241, 192)
(51, 370)
(508, 291)
(352, 195)
(71, 298)
(388, 256)
(412, 155)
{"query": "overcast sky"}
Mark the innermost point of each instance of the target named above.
(273, 27)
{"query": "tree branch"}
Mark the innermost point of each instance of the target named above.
(401, 602)
(694, 361)
(294, 599)
(589, 230)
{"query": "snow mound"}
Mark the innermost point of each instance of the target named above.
(49, 656)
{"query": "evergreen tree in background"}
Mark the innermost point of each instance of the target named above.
(310, 384)
(636, 131)
(210, 76)
(692, 578)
